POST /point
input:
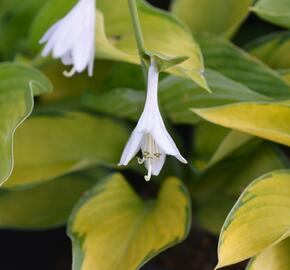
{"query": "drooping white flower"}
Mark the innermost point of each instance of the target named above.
(150, 134)
(72, 39)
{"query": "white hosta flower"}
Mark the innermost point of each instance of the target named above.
(72, 39)
(150, 134)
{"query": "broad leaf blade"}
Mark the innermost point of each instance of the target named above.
(112, 227)
(64, 142)
(260, 219)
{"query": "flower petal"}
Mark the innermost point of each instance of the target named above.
(148, 118)
(131, 148)
(72, 39)
(165, 142)
(49, 32)
(82, 49)
(67, 59)
(67, 35)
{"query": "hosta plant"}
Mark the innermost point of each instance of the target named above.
(205, 95)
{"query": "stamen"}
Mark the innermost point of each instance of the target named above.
(140, 160)
(157, 155)
(70, 73)
(146, 155)
(148, 176)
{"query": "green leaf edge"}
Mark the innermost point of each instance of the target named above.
(29, 96)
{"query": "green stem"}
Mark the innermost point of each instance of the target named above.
(138, 35)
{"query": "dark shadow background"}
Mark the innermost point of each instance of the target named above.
(51, 250)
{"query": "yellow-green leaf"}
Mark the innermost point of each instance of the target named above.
(113, 228)
(59, 143)
(273, 258)
(272, 49)
(221, 17)
(17, 86)
(266, 120)
(259, 219)
(166, 35)
(274, 11)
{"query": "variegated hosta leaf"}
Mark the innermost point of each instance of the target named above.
(18, 84)
(274, 258)
(266, 120)
(59, 143)
(224, 57)
(260, 219)
(176, 96)
(221, 17)
(113, 228)
(272, 49)
(163, 35)
(274, 11)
